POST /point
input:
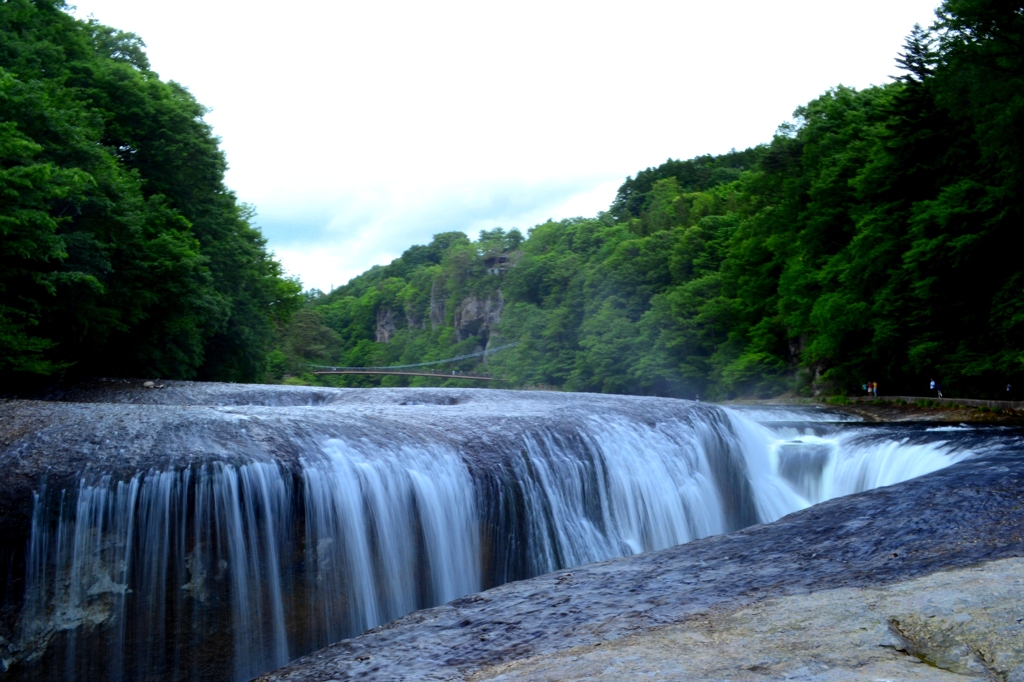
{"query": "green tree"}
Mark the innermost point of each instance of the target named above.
(123, 253)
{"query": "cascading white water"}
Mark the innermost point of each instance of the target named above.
(619, 488)
(387, 533)
(795, 466)
(270, 562)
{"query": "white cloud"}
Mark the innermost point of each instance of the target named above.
(358, 129)
(341, 246)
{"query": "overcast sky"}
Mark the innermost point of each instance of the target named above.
(360, 128)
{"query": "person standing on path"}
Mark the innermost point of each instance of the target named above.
(931, 387)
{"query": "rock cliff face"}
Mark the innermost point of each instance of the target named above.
(473, 317)
(385, 325)
(476, 317)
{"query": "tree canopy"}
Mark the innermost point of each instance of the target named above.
(122, 251)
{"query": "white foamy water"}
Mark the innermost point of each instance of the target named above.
(797, 468)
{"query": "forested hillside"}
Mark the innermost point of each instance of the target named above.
(876, 239)
(122, 251)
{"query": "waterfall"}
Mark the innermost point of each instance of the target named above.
(224, 569)
(798, 465)
(386, 535)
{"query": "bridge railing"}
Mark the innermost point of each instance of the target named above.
(455, 374)
(319, 369)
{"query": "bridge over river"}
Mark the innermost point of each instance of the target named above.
(454, 374)
(416, 370)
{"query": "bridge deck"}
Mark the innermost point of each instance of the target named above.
(438, 375)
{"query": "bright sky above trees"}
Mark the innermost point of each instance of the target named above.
(359, 129)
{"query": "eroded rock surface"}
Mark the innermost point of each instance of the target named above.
(959, 624)
(477, 317)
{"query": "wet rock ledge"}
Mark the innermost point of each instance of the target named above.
(918, 581)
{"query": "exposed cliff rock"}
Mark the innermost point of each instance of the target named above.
(476, 317)
(385, 325)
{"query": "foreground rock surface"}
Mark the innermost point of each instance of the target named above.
(958, 624)
(920, 580)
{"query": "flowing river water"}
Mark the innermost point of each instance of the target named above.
(210, 533)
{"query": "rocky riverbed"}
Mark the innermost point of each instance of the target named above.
(921, 580)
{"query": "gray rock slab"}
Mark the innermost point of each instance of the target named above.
(957, 624)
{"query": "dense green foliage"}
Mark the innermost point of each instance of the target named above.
(420, 307)
(122, 252)
(871, 240)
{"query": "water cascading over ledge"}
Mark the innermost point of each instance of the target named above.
(215, 532)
